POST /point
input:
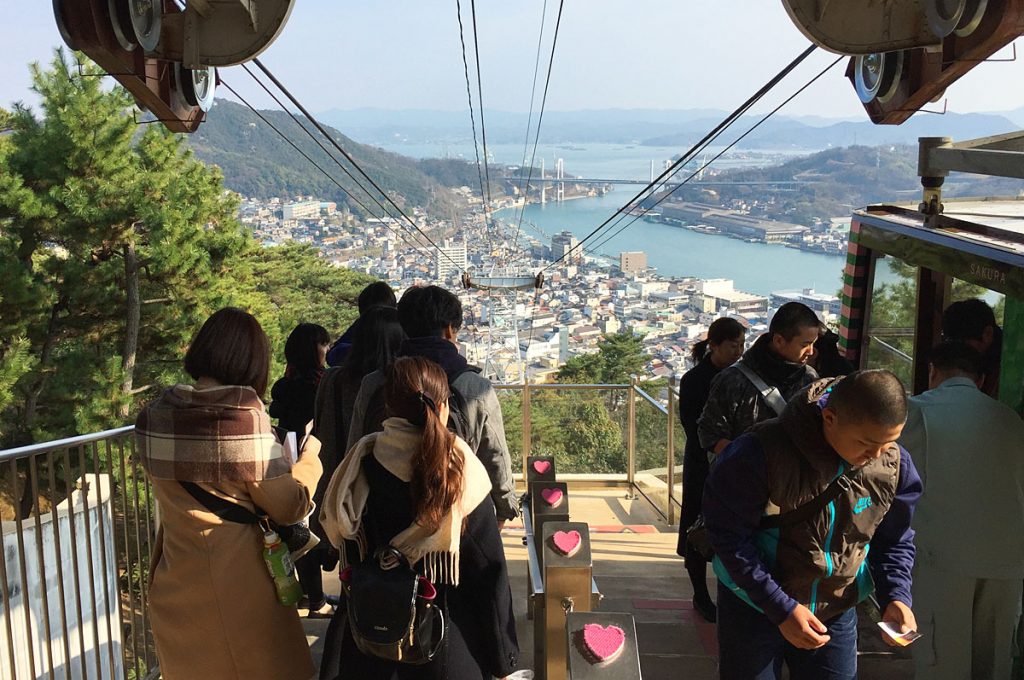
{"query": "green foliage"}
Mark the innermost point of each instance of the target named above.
(618, 357)
(116, 243)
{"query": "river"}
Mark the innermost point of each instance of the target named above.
(755, 267)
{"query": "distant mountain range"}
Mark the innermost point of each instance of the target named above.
(659, 127)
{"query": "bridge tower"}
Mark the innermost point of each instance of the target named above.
(560, 175)
(543, 186)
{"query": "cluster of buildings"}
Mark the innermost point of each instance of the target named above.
(517, 334)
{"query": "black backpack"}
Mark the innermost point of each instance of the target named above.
(458, 422)
(393, 612)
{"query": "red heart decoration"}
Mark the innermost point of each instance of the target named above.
(541, 466)
(552, 496)
(567, 542)
(604, 643)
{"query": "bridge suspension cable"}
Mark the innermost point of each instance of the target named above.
(540, 119)
(419, 247)
(350, 159)
(646, 209)
(695, 149)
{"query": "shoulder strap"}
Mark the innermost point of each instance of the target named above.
(811, 507)
(771, 395)
(226, 510)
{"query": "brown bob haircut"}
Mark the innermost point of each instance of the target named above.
(231, 348)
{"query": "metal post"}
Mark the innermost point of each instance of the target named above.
(623, 664)
(671, 445)
(631, 437)
(526, 425)
(568, 579)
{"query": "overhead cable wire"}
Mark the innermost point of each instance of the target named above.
(350, 159)
(533, 95)
(472, 118)
(685, 158)
(384, 210)
(540, 120)
(696, 172)
(480, 102)
(418, 247)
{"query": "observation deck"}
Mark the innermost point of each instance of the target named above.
(73, 567)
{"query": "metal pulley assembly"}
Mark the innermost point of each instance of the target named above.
(165, 54)
(906, 53)
(878, 75)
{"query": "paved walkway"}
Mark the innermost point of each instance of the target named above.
(638, 571)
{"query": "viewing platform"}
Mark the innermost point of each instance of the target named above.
(73, 568)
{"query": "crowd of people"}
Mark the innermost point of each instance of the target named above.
(810, 487)
(813, 487)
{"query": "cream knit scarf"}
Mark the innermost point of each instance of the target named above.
(346, 495)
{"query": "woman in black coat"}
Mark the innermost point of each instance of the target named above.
(410, 473)
(723, 347)
(292, 399)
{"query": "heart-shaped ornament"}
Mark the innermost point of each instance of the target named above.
(552, 496)
(604, 643)
(567, 542)
(541, 467)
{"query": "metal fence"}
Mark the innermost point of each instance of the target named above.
(76, 543)
(629, 437)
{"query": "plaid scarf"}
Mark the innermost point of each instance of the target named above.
(206, 435)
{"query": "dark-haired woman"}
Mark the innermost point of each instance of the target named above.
(375, 343)
(723, 348)
(419, 488)
(292, 399)
(293, 395)
(213, 607)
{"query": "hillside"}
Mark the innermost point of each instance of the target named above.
(778, 133)
(257, 162)
(841, 179)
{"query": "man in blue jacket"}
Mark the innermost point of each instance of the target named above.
(808, 514)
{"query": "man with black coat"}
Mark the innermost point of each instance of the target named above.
(757, 387)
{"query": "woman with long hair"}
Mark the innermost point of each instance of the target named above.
(213, 606)
(375, 342)
(722, 348)
(293, 394)
(420, 489)
(292, 401)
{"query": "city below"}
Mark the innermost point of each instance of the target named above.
(514, 334)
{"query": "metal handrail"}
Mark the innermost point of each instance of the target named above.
(69, 442)
(559, 386)
(652, 401)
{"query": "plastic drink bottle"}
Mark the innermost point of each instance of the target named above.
(282, 570)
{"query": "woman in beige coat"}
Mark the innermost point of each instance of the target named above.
(213, 607)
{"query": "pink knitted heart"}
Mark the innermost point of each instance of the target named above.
(541, 466)
(604, 643)
(567, 542)
(552, 496)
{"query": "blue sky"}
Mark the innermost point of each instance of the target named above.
(403, 54)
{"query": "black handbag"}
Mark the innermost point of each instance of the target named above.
(697, 535)
(393, 612)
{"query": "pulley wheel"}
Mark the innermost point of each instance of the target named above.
(145, 17)
(121, 22)
(944, 15)
(974, 12)
(197, 86)
(62, 25)
(876, 76)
